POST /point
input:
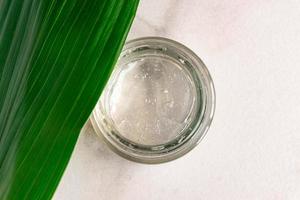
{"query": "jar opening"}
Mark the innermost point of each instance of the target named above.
(155, 105)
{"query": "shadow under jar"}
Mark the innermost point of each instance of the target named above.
(158, 103)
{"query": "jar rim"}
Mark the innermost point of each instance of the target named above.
(155, 155)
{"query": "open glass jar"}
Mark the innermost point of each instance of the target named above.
(158, 103)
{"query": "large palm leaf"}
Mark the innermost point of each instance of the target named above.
(55, 58)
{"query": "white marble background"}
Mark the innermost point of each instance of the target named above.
(252, 150)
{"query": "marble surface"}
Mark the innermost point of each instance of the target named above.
(252, 150)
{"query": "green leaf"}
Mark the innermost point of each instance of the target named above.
(55, 58)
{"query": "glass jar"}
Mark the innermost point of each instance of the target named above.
(158, 103)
